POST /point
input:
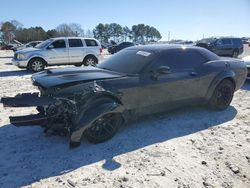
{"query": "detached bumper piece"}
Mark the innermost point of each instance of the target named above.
(29, 120)
(27, 100)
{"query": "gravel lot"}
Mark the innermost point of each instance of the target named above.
(191, 147)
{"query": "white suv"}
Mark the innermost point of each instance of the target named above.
(59, 51)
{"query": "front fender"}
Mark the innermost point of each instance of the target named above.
(37, 55)
(86, 117)
(221, 76)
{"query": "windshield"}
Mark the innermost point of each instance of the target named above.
(43, 44)
(129, 61)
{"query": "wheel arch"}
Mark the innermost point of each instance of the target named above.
(37, 57)
(107, 103)
(230, 75)
(90, 55)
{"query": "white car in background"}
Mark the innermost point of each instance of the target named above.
(247, 61)
(59, 51)
(28, 45)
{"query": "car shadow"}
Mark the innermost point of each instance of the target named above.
(6, 57)
(246, 85)
(15, 73)
(8, 63)
(27, 155)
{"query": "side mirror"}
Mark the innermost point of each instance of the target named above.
(163, 70)
(50, 46)
(160, 71)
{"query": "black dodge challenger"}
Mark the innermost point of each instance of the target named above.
(94, 101)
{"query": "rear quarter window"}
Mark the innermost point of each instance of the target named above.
(237, 42)
(90, 42)
(179, 59)
(75, 43)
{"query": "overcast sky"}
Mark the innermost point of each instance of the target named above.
(184, 19)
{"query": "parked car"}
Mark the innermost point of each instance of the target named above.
(31, 44)
(247, 62)
(59, 51)
(137, 81)
(223, 46)
(8, 46)
(116, 48)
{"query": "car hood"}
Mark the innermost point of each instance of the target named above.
(27, 50)
(57, 77)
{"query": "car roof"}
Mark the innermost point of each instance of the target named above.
(56, 38)
(163, 47)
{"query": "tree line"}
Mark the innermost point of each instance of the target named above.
(14, 30)
(137, 33)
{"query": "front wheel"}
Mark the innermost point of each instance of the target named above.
(36, 65)
(103, 128)
(222, 96)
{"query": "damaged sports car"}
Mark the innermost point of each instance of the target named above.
(95, 101)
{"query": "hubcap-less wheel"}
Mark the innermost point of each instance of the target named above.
(103, 128)
(90, 62)
(222, 96)
(235, 54)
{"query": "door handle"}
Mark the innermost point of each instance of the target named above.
(193, 73)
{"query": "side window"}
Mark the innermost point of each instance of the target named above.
(226, 41)
(75, 43)
(90, 42)
(181, 59)
(59, 44)
(219, 42)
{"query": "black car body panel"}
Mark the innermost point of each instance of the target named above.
(140, 80)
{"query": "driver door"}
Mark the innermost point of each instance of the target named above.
(58, 53)
(177, 86)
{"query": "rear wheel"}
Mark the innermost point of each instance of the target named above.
(36, 65)
(90, 61)
(222, 96)
(235, 53)
(103, 128)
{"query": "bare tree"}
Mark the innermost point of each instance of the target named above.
(70, 30)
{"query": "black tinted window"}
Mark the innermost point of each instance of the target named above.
(237, 42)
(181, 59)
(75, 43)
(226, 41)
(128, 61)
(90, 42)
(59, 44)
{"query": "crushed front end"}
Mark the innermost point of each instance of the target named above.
(60, 109)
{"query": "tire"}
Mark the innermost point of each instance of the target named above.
(36, 65)
(78, 65)
(235, 54)
(222, 95)
(90, 61)
(103, 128)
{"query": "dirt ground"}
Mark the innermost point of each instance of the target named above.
(191, 147)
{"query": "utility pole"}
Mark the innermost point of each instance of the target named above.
(168, 36)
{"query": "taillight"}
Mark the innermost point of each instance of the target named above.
(100, 50)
